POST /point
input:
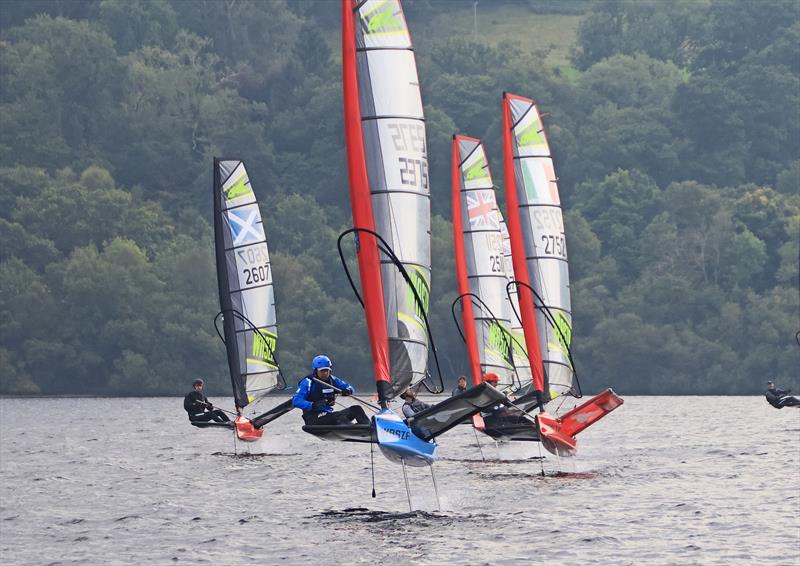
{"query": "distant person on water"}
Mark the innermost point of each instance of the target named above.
(412, 405)
(316, 395)
(775, 396)
(461, 387)
(200, 408)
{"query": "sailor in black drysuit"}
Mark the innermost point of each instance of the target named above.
(199, 408)
(412, 405)
(499, 415)
(316, 400)
(775, 396)
(461, 387)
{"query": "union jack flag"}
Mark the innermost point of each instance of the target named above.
(482, 210)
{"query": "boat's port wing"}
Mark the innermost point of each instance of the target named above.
(524, 431)
(558, 434)
(590, 412)
(345, 432)
(443, 416)
(272, 414)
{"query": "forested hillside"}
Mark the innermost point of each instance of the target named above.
(675, 128)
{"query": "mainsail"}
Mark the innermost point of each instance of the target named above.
(519, 353)
(244, 276)
(388, 169)
(480, 265)
(540, 254)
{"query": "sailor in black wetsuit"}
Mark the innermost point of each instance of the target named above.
(412, 405)
(775, 396)
(200, 408)
(499, 415)
(316, 400)
(461, 387)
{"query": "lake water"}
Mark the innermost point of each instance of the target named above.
(662, 480)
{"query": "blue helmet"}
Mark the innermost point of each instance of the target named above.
(321, 362)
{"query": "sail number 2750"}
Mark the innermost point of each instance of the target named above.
(554, 245)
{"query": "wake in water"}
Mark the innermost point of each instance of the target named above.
(254, 456)
(418, 517)
(496, 461)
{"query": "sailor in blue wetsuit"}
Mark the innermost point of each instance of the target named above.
(316, 399)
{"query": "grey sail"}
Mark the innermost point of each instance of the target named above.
(545, 243)
(244, 275)
(397, 169)
(483, 255)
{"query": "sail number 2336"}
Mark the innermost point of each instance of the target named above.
(409, 138)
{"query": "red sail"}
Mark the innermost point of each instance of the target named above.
(361, 204)
(513, 220)
(467, 313)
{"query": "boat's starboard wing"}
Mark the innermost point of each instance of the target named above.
(443, 416)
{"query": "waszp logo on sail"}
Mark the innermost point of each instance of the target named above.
(263, 348)
(476, 171)
(531, 135)
(382, 19)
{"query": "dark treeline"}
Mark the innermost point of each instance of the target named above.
(675, 132)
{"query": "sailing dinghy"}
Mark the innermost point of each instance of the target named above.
(246, 296)
(390, 201)
(539, 257)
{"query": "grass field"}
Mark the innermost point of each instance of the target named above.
(550, 33)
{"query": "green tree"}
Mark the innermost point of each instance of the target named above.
(136, 23)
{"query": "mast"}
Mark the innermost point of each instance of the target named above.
(524, 294)
(225, 304)
(467, 313)
(361, 204)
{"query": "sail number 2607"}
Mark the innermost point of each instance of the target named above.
(257, 262)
